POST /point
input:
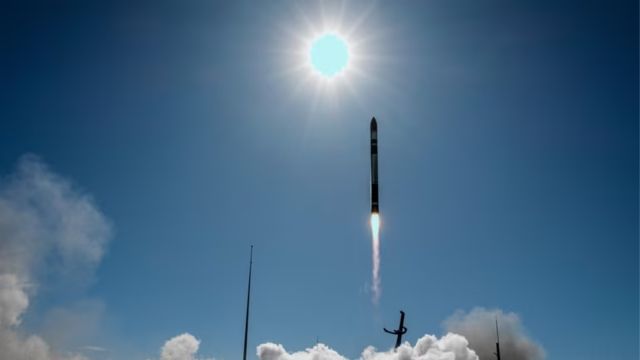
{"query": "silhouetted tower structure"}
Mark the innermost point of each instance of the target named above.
(400, 331)
(497, 353)
(246, 319)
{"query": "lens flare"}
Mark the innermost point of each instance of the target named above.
(375, 242)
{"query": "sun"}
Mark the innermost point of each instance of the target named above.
(329, 52)
(329, 55)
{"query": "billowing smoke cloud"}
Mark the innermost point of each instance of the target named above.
(449, 347)
(478, 326)
(471, 336)
(271, 351)
(13, 300)
(44, 222)
(429, 347)
(181, 347)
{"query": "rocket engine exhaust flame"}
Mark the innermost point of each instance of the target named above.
(375, 254)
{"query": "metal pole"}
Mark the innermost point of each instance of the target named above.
(246, 319)
(497, 353)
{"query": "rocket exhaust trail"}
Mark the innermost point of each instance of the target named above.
(375, 217)
(375, 256)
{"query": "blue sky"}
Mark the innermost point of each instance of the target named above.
(508, 142)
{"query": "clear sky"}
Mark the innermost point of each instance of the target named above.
(508, 149)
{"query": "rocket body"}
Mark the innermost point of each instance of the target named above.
(374, 166)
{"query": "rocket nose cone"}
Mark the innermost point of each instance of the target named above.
(374, 124)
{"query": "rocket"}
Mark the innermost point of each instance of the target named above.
(374, 166)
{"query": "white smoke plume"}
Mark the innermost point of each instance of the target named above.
(376, 287)
(271, 351)
(470, 336)
(13, 300)
(478, 326)
(45, 222)
(181, 347)
(429, 347)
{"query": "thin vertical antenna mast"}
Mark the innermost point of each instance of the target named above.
(497, 340)
(246, 319)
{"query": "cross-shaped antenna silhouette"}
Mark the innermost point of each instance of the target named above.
(400, 331)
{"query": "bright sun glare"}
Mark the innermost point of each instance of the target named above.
(329, 55)
(327, 52)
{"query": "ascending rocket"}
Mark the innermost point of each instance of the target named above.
(374, 166)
